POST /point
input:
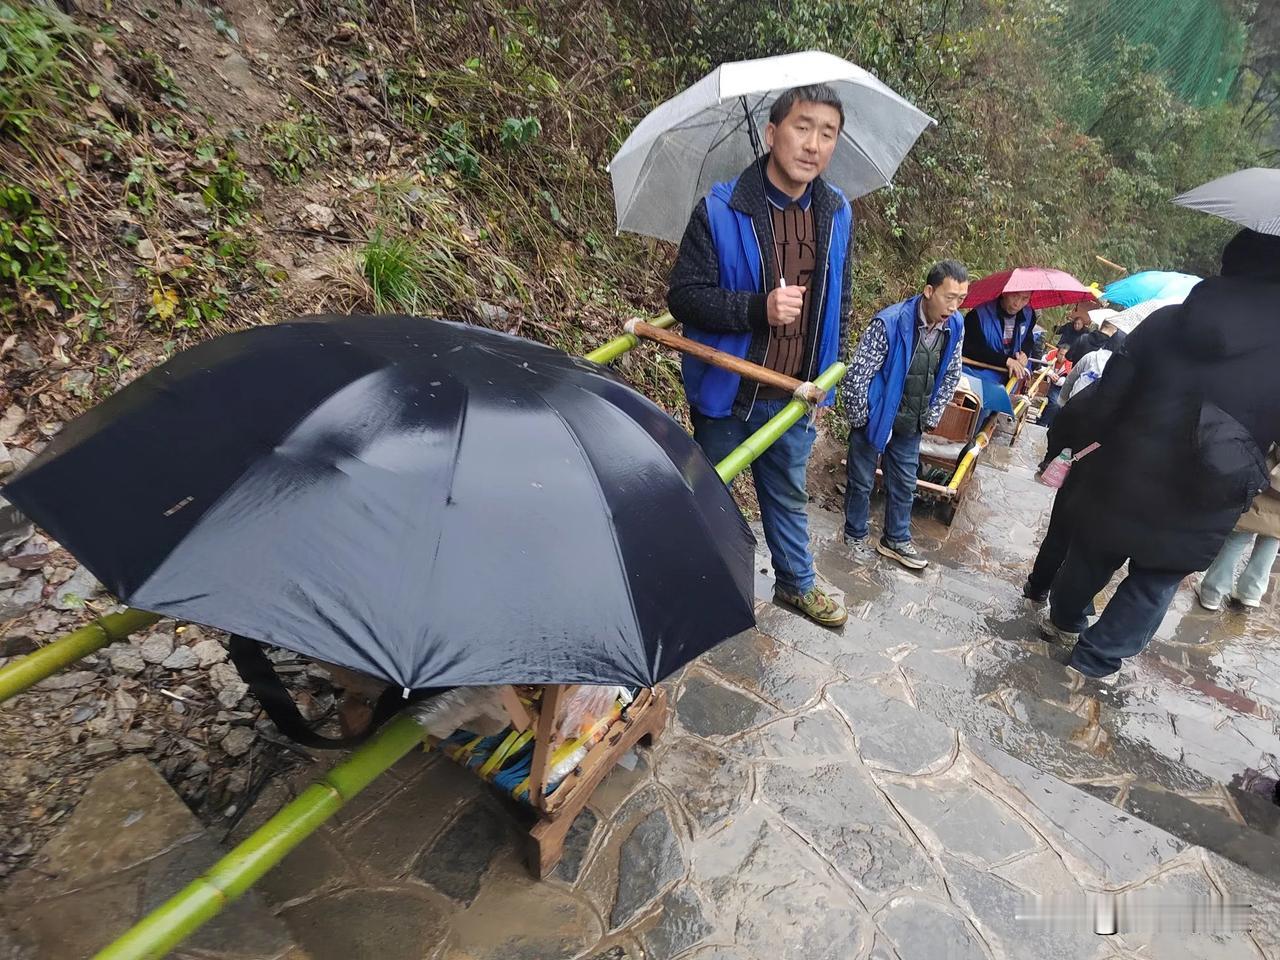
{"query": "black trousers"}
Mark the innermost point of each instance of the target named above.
(1128, 622)
(1053, 548)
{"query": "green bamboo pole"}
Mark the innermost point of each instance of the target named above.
(35, 666)
(173, 921)
(620, 345)
(742, 456)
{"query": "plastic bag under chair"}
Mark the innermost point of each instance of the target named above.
(478, 709)
(586, 705)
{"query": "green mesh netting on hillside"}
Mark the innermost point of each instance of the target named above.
(1196, 44)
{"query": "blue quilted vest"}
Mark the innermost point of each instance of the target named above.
(884, 393)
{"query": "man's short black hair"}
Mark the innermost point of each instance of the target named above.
(946, 268)
(813, 93)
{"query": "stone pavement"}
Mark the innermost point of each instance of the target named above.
(897, 789)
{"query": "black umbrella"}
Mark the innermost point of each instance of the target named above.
(430, 503)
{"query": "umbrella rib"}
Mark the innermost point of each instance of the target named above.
(604, 502)
(739, 121)
(844, 135)
(234, 484)
(698, 514)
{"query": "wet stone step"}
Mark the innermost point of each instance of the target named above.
(708, 708)
(1178, 742)
(1115, 845)
(1156, 790)
(892, 735)
(778, 674)
(1209, 826)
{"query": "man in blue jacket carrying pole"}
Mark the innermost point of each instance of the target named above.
(764, 273)
(900, 380)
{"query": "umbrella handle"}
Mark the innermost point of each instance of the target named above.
(808, 392)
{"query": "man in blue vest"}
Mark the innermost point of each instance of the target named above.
(761, 274)
(1001, 333)
(900, 380)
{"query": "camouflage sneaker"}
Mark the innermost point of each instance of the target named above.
(815, 605)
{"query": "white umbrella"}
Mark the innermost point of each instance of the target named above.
(1250, 198)
(1127, 320)
(700, 136)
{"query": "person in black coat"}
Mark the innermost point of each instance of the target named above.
(1108, 337)
(1076, 337)
(1077, 326)
(1184, 414)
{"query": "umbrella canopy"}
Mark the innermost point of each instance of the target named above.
(700, 136)
(1102, 315)
(1250, 198)
(1048, 288)
(430, 503)
(1126, 321)
(1149, 285)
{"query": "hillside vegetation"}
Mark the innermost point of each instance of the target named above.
(174, 171)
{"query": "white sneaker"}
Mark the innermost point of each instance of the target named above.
(1053, 633)
(1246, 602)
(1110, 680)
(1206, 601)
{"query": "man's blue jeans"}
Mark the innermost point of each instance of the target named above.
(901, 463)
(779, 475)
(1128, 622)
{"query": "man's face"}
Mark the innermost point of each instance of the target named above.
(1079, 317)
(1011, 303)
(943, 300)
(802, 144)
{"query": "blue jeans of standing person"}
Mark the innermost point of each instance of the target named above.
(1253, 579)
(901, 463)
(1128, 622)
(779, 475)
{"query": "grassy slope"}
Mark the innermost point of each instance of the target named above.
(200, 172)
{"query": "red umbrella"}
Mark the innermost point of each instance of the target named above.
(1048, 288)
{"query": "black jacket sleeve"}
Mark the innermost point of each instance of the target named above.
(1086, 343)
(975, 342)
(694, 295)
(1029, 338)
(1090, 414)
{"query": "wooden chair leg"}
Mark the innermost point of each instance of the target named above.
(547, 836)
(546, 840)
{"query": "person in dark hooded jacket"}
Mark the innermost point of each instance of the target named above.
(1107, 338)
(1184, 414)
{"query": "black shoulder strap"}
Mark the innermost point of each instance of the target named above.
(257, 671)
